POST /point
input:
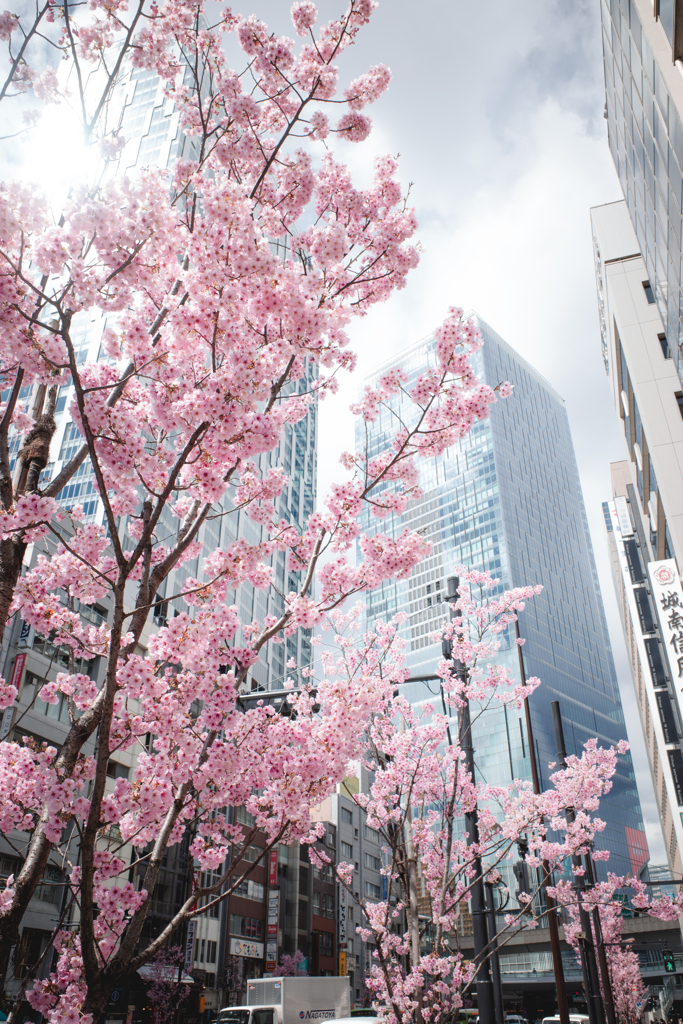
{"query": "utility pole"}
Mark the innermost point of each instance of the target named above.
(498, 1006)
(551, 906)
(596, 1010)
(484, 986)
(602, 953)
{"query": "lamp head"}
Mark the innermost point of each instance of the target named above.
(452, 584)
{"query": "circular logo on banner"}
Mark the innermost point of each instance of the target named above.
(664, 575)
(302, 1014)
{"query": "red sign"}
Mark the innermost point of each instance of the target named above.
(272, 930)
(270, 965)
(272, 879)
(17, 670)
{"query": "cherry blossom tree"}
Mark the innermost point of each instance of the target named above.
(210, 333)
(95, 42)
(291, 966)
(421, 793)
(164, 992)
(607, 898)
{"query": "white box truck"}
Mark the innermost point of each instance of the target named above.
(290, 1001)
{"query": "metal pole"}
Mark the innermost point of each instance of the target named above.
(498, 1006)
(551, 906)
(602, 953)
(479, 930)
(596, 1010)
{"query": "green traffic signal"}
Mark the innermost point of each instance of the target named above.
(669, 963)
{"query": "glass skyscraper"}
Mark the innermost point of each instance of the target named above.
(507, 499)
(150, 124)
(644, 108)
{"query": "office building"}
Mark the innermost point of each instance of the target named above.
(644, 110)
(644, 519)
(149, 122)
(361, 846)
(507, 499)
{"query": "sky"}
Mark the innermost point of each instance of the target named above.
(496, 110)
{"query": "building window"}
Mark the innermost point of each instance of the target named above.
(666, 351)
(372, 834)
(679, 399)
(61, 656)
(48, 890)
(206, 879)
(72, 439)
(326, 943)
(327, 904)
(347, 815)
(252, 853)
(8, 866)
(248, 888)
(649, 294)
(316, 901)
(347, 850)
(326, 873)
(160, 613)
(115, 770)
(243, 816)
(373, 891)
(372, 862)
(246, 927)
(31, 945)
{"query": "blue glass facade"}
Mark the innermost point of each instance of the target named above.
(507, 499)
(646, 142)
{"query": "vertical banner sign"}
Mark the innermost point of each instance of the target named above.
(342, 963)
(15, 680)
(271, 927)
(668, 599)
(189, 945)
(19, 663)
(623, 516)
(272, 874)
(342, 916)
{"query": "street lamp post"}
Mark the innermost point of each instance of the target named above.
(498, 1005)
(596, 1010)
(551, 907)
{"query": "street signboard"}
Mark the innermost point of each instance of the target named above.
(189, 945)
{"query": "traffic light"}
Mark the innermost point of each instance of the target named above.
(669, 962)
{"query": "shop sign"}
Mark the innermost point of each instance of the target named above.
(342, 915)
(668, 600)
(189, 945)
(239, 947)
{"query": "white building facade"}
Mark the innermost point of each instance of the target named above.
(644, 518)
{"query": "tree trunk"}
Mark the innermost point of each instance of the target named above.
(413, 912)
(12, 551)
